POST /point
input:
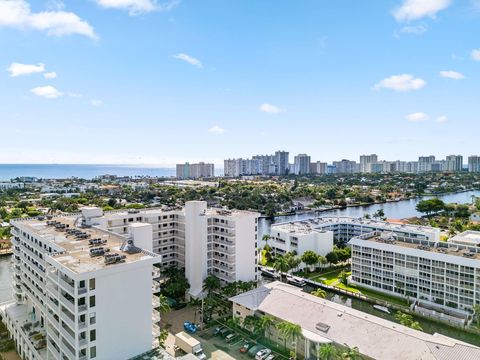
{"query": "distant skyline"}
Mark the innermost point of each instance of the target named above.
(165, 82)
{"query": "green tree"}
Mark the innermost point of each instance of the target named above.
(351, 354)
(162, 337)
(289, 331)
(430, 206)
(211, 283)
(319, 293)
(326, 352)
(164, 306)
(310, 258)
(282, 265)
(343, 277)
(476, 309)
(332, 257)
(264, 324)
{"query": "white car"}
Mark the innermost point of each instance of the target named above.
(270, 357)
(263, 354)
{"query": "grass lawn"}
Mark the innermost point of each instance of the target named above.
(381, 296)
(327, 278)
(348, 288)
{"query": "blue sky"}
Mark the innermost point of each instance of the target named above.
(139, 81)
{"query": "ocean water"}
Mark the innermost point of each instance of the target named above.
(58, 171)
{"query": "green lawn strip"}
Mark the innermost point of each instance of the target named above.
(380, 296)
(342, 286)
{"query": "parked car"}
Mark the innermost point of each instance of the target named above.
(254, 350)
(270, 357)
(217, 330)
(244, 348)
(230, 337)
(263, 354)
(225, 332)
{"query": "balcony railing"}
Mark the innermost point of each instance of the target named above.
(69, 305)
(66, 350)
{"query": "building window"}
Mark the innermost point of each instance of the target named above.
(93, 352)
(91, 284)
(92, 301)
(93, 335)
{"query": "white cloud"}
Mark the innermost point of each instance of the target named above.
(476, 54)
(270, 109)
(414, 29)
(449, 74)
(50, 75)
(74, 95)
(96, 102)
(17, 69)
(442, 119)
(189, 59)
(17, 14)
(416, 117)
(404, 82)
(48, 92)
(417, 9)
(216, 130)
(135, 7)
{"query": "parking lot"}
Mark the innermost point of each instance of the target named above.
(173, 321)
(212, 343)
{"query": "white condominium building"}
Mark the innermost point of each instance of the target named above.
(366, 161)
(81, 292)
(195, 171)
(202, 240)
(474, 163)
(299, 238)
(345, 228)
(444, 274)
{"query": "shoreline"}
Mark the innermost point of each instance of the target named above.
(318, 211)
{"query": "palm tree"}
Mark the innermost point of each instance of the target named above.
(164, 306)
(234, 322)
(319, 293)
(211, 283)
(351, 354)
(322, 261)
(289, 331)
(250, 322)
(281, 265)
(326, 352)
(264, 324)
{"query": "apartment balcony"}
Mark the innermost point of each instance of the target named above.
(54, 333)
(67, 286)
(228, 260)
(53, 350)
(16, 259)
(52, 276)
(67, 351)
(224, 267)
(33, 255)
(66, 318)
(155, 287)
(224, 277)
(67, 336)
(82, 290)
(54, 322)
(52, 289)
(82, 308)
(230, 250)
(53, 304)
(155, 301)
(156, 331)
(67, 303)
(82, 325)
(156, 316)
(156, 273)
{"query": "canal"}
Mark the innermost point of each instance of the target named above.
(393, 210)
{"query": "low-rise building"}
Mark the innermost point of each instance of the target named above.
(326, 322)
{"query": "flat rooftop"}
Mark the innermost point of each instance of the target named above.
(448, 249)
(297, 228)
(467, 237)
(318, 222)
(76, 256)
(324, 321)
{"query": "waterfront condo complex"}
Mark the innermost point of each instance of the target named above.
(84, 283)
(404, 260)
(200, 239)
(437, 275)
(80, 292)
